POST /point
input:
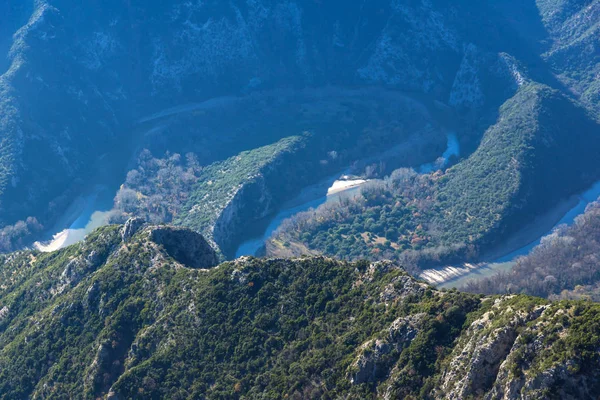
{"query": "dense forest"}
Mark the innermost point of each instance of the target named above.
(123, 315)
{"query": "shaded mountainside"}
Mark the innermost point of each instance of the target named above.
(126, 315)
(80, 76)
(564, 266)
(542, 148)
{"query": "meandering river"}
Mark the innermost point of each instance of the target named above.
(328, 190)
(92, 210)
(504, 258)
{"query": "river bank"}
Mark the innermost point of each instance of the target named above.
(329, 190)
(86, 213)
(326, 191)
(503, 257)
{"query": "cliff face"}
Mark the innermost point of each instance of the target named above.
(186, 247)
(135, 321)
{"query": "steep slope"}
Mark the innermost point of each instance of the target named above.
(57, 120)
(118, 316)
(574, 27)
(542, 148)
(81, 75)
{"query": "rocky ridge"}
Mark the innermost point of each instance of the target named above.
(311, 327)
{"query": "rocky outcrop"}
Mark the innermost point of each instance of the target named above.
(99, 366)
(476, 360)
(131, 227)
(529, 372)
(368, 365)
(376, 356)
(402, 287)
(185, 246)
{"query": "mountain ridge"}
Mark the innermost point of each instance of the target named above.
(124, 319)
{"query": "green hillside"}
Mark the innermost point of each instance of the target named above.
(541, 149)
(109, 318)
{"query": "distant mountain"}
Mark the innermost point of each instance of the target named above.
(142, 311)
(87, 86)
(79, 75)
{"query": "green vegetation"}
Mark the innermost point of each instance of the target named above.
(226, 197)
(563, 266)
(7, 145)
(383, 221)
(541, 149)
(107, 316)
(220, 183)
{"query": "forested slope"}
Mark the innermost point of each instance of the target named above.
(541, 149)
(118, 316)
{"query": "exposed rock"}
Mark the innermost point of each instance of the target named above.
(112, 396)
(185, 246)
(4, 313)
(93, 258)
(92, 294)
(376, 355)
(381, 267)
(131, 227)
(98, 367)
(401, 287)
(367, 365)
(403, 330)
(520, 376)
(476, 361)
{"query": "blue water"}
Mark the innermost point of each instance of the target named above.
(568, 219)
(91, 211)
(507, 262)
(252, 246)
(99, 200)
(452, 149)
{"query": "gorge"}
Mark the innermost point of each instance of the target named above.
(286, 199)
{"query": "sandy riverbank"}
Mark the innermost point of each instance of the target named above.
(71, 236)
(58, 242)
(340, 186)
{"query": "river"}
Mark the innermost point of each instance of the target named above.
(505, 257)
(86, 213)
(92, 210)
(326, 191)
